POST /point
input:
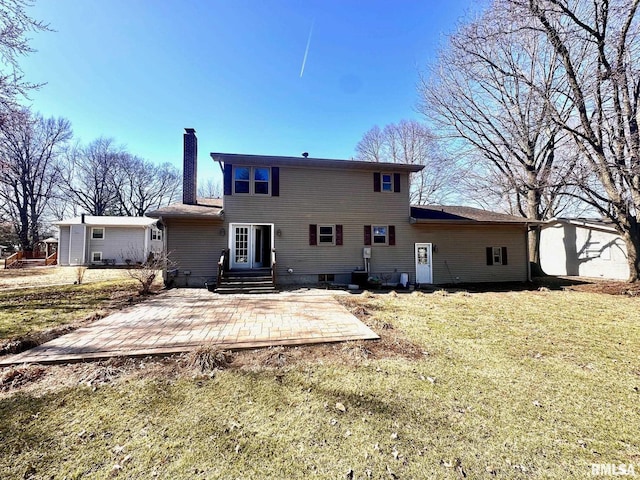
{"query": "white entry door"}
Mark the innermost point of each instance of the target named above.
(250, 245)
(240, 246)
(424, 271)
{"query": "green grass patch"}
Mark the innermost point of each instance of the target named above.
(510, 385)
(30, 310)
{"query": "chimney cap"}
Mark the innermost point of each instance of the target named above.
(190, 130)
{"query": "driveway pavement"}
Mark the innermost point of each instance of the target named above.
(181, 319)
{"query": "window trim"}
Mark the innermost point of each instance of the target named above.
(157, 233)
(333, 235)
(389, 183)
(252, 180)
(94, 229)
(373, 235)
(93, 259)
(496, 255)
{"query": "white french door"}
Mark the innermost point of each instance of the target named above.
(424, 268)
(250, 245)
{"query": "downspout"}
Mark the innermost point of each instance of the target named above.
(526, 243)
(84, 240)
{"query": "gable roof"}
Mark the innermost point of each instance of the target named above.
(462, 215)
(206, 207)
(109, 221)
(599, 224)
(242, 159)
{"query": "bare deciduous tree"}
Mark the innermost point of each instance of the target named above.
(411, 142)
(210, 189)
(15, 24)
(141, 185)
(92, 176)
(30, 148)
(597, 44)
(490, 95)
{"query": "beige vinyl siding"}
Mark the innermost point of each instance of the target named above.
(195, 246)
(328, 196)
(460, 252)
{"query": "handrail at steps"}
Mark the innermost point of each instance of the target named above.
(222, 264)
(51, 259)
(11, 259)
(273, 266)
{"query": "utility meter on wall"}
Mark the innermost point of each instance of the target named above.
(366, 252)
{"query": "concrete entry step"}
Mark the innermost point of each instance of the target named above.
(247, 281)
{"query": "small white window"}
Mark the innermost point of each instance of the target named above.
(380, 235)
(497, 256)
(326, 234)
(387, 182)
(97, 233)
(156, 234)
(96, 256)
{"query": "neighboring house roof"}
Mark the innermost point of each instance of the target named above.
(109, 221)
(236, 158)
(206, 207)
(601, 224)
(461, 214)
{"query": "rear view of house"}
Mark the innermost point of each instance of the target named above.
(307, 220)
(98, 240)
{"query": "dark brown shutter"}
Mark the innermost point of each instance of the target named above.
(275, 181)
(313, 234)
(504, 255)
(396, 182)
(228, 179)
(489, 255)
(367, 234)
(338, 234)
(392, 234)
(376, 181)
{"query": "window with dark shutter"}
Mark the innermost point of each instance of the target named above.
(228, 179)
(396, 182)
(496, 255)
(275, 181)
(338, 234)
(313, 234)
(376, 181)
(367, 234)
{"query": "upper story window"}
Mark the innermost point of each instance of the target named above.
(97, 233)
(387, 182)
(156, 234)
(251, 180)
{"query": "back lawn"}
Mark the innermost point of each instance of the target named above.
(485, 385)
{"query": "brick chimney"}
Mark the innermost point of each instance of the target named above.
(190, 168)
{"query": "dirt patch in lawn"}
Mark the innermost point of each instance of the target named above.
(609, 288)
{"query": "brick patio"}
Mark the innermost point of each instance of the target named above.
(181, 319)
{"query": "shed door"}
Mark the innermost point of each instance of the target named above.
(424, 273)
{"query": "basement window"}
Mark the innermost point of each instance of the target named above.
(326, 277)
(96, 257)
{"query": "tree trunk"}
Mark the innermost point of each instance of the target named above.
(632, 242)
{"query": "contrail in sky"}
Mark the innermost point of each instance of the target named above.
(306, 51)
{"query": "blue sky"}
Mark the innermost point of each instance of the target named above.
(140, 71)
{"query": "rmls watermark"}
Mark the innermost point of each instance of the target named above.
(613, 469)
